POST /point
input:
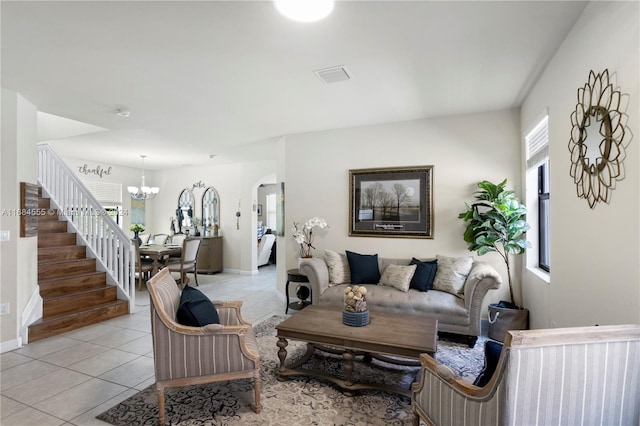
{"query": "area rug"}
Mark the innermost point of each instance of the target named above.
(298, 401)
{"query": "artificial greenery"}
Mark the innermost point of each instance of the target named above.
(496, 223)
(136, 227)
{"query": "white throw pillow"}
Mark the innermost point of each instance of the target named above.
(339, 272)
(398, 276)
(452, 273)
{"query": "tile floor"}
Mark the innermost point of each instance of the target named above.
(71, 378)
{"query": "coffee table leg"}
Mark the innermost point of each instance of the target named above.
(282, 353)
(347, 365)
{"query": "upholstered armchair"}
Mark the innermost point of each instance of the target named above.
(186, 355)
(568, 376)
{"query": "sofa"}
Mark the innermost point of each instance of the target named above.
(457, 311)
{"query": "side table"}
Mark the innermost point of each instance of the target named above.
(295, 276)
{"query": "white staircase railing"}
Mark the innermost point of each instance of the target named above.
(104, 239)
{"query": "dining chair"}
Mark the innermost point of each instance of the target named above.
(186, 355)
(144, 265)
(187, 261)
(160, 239)
(178, 239)
(144, 238)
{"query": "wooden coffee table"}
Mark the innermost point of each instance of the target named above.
(386, 335)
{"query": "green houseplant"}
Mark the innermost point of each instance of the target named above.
(496, 222)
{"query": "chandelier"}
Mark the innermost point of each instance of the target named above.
(144, 192)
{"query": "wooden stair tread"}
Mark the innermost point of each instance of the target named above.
(72, 315)
(87, 274)
(77, 293)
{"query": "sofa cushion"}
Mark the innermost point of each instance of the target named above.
(398, 276)
(425, 274)
(364, 268)
(338, 266)
(452, 273)
(195, 309)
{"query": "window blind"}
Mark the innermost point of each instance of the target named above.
(107, 193)
(537, 141)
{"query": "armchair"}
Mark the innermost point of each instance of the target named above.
(580, 375)
(264, 248)
(184, 355)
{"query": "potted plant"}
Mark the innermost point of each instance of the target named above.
(136, 228)
(304, 234)
(496, 222)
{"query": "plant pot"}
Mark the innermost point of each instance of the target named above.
(355, 319)
(502, 319)
(300, 259)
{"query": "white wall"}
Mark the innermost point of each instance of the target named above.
(18, 278)
(126, 176)
(595, 272)
(463, 150)
(236, 185)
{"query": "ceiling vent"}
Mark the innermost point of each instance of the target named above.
(333, 74)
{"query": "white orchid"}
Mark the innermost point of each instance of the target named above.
(304, 234)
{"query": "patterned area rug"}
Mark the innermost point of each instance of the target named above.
(298, 401)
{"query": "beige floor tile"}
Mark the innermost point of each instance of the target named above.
(140, 346)
(101, 363)
(117, 337)
(90, 332)
(131, 373)
(8, 407)
(11, 359)
(45, 386)
(31, 417)
(23, 373)
(74, 353)
(80, 399)
(42, 348)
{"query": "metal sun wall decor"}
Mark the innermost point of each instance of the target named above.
(596, 165)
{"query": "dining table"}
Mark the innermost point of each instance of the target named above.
(157, 252)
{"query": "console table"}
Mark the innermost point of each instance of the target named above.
(210, 255)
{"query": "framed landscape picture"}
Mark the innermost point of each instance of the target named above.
(391, 202)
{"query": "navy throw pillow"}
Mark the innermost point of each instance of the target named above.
(195, 309)
(492, 352)
(425, 274)
(364, 268)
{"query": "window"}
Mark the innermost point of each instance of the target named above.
(271, 211)
(538, 189)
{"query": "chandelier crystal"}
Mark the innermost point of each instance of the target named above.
(144, 192)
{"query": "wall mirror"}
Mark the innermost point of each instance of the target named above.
(211, 210)
(184, 212)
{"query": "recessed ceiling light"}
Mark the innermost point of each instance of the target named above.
(304, 11)
(211, 155)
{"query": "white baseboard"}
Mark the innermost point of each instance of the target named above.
(10, 345)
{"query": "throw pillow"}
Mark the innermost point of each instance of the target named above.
(398, 276)
(452, 273)
(425, 274)
(195, 309)
(492, 352)
(338, 265)
(364, 268)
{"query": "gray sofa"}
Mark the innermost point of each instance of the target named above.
(458, 315)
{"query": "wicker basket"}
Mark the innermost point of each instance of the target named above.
(355, 319)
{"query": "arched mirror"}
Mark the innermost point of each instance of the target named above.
(211, 211)
(184, 212)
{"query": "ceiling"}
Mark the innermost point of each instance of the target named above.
(222, 77)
